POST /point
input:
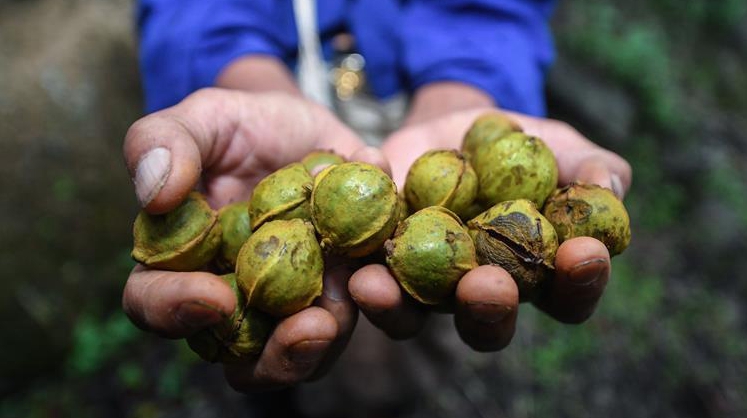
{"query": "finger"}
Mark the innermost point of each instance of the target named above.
(578, 158)
(176, 305)
(380, 298)
(582, 269)
(294, 350)
(487, 307)
(221, 132)
(336, 300)
(596, 171)
(372, 156)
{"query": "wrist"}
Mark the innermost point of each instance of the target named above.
(258, 74)
(444, 97)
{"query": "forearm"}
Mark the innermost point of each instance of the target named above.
(441, 98)
(258, 73)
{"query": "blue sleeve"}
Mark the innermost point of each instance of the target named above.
(503, 47)
(184, 44)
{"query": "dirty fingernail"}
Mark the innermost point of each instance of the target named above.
(336, 283)
(197, 315)
(151, 174)
(308, 352)
(589, 272)
(488, 313)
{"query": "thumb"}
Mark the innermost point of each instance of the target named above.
(165, 151)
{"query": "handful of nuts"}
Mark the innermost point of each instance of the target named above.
(495, 202)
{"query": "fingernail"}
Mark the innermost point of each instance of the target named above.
(588, 272)
(197, 315)
(308, 352)
(336, 283)
(318, 169)
(488, 313)
(151, 174)
(617, 187)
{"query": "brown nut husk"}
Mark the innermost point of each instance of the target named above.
(441, 178)
(234, 220)
(591, 211)
(354, 208)
(516, 166)
(283, 194)
(183, 239)
(515, 236)
(280, 266)
(319, 158)
(428, 254)
(242, 335)
(485, 129)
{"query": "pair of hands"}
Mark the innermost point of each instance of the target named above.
(225, 141)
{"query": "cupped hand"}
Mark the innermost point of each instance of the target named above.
(224, 142)
(487, 298)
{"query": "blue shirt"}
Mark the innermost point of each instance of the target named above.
(503, 47)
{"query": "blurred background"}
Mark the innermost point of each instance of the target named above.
(661, 82)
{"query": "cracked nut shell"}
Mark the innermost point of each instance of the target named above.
(592, 211)
(242, 335)
(515, 236)
(183, 239)
(441, 178)
(283, 194)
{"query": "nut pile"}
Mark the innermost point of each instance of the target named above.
(495, 202)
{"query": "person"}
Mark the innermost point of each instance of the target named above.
(226, 111)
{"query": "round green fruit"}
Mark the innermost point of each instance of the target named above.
(279, 268)
(283, 194)
(591, 211)
(354, 208)
(485, 129)
(183, 239)
(441, 178)
(321, 158)
(234, 220)
(516, 166)
(428, 254)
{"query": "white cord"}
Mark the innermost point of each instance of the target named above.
(312, 71)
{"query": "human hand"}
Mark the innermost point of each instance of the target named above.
(224, 142)
(486, 297)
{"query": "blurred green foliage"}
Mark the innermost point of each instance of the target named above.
(669, 338)
(97, 341)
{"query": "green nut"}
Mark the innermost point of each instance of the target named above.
(592, 211)
(183, 239)
(280, 266)
(321, 158)
(428, 254)
(441, 178)
(485, 129)
(234, 221)
(354, 208)
(242, 335)
(517, 166)
(515, 236)
(283, 194)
